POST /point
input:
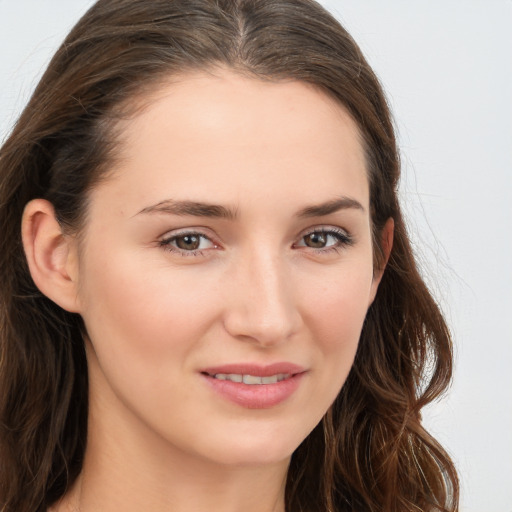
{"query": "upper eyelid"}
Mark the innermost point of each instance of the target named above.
(325, 229)
(175, 233)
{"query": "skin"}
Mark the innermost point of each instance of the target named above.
(258, 290)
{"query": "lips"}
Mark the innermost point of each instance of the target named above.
(253, 386)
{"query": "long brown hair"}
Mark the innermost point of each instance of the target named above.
(370, 451)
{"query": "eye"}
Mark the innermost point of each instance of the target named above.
(325, 239)
(189, 243)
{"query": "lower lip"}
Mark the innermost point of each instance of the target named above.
(255, 396)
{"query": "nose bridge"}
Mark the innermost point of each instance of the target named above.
(264, 306)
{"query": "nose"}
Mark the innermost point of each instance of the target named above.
(263, 305)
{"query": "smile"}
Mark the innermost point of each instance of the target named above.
(252, 379)
(254, 386)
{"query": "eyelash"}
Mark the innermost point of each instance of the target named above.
(343, 238)
(166, 243)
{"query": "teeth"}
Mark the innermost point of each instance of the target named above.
(252, 379)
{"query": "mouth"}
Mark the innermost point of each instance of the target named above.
(253, 386)
(254, 374)
(251, 380)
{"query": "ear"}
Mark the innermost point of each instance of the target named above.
(386, 244)
(51, 255)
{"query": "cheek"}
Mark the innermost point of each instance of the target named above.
(144, 323)
(336, 316)
(338, 308)
(132, 310)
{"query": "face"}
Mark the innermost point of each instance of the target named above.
(226, 268)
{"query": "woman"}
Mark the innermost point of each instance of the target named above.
(213, 303)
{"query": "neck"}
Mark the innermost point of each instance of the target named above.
(242, 489)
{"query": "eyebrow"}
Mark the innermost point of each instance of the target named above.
(193, 208)
(200, 209)
(329, 207)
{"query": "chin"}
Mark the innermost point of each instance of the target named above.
(256, 457)
(253, 447)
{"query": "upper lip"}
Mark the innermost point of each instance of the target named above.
(255, 369)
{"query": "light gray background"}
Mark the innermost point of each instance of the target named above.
(447, 68)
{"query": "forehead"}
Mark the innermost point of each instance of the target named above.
(225, 134)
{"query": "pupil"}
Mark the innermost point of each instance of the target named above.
(188, 242)
(316, 240)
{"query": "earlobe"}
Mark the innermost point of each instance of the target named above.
(51, 255)
(387, 245)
